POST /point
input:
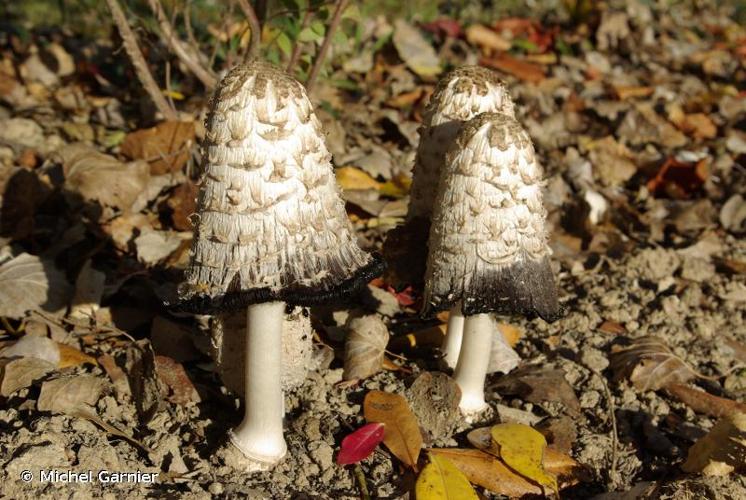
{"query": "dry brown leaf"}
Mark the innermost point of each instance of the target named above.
(649, 364)
(117, 376)
(402, 435)
(144, 383)
(89, 415)
(21, 372)
(704, 402)
(175, 381)
(624, 92)
(612, 327)
(364, 347)
(166, 147)
(520, 69)
(98, 177)
(183, 203)
(30, 283)
(722, 450)
(538, 384)
(486, 39)
(70, 356)
(66, 395)
(512, 334)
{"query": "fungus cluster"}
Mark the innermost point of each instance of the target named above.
(270, 232)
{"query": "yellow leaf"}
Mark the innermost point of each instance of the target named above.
(522, 449)
(352, 178)
(402, 435)
(441, 480)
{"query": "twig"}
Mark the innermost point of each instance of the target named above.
(341, 5)
(361, 482)
(256, 29)
(138, 61)
(181, 50)
(298, 45)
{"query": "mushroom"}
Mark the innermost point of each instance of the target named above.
(459, 96)
(270, 232)
(488, 250)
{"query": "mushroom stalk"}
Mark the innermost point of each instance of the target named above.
(454, 333)
(473, 362)
(259, 436)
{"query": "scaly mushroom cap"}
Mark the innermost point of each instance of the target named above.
(270, 222)
(488, 241)
(459, 96)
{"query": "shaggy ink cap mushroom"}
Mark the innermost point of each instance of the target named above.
(488, 245)
(270, 223)
(488, 250)
(270, 230)
(459, 96)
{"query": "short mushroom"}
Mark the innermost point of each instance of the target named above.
(270, 232)
(459, 96)
(488, 250)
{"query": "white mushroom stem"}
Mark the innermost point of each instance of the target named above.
(259, 436)
(473, 361)
(454, 333)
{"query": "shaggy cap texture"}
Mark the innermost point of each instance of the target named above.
(459, 96)
(488, 241)
(270, 222)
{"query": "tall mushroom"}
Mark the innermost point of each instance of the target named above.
(488, 246)
(270, 232)
(459, 96)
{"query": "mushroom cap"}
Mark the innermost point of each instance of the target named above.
(488, 240)
(459, 96)
(270, 222)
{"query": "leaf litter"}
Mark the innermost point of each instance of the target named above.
(635, 113)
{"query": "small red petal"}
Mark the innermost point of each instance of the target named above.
(360, 444)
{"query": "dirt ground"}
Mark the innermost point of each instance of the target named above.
(639, 124)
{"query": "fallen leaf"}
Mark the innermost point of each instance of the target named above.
(649, 364)
(450, 27)
(415, 50)
(89, 288)
(511, 333)
(486, 39)
(402, 435)
(722, 450)
(30, 283)
(70, 356)
(175, 381)
(704, 402)
(624, 92)
(364, 347)
(94, 176)
(353, 178)
(155, 246)
(523, 70)
(441, 480)
(503, 358)
(31, 346)
(117, 376)
(612, 327)
(522, 449)
(538, 384)
(560, 464)
(142, 376)
(183, 203)
(89, 415)
(166, 147)
(21, 372)
(360, 444)
(489, 472)
(67, 395)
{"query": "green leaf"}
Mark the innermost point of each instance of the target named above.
(318, 28)
(308, 35)
(286, 46)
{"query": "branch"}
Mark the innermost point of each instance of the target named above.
(314, 74)
(254, 26)
(298, 45)
(181, 51)
(138, 61)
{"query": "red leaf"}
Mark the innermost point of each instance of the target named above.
(360, 444)
(445, 26)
